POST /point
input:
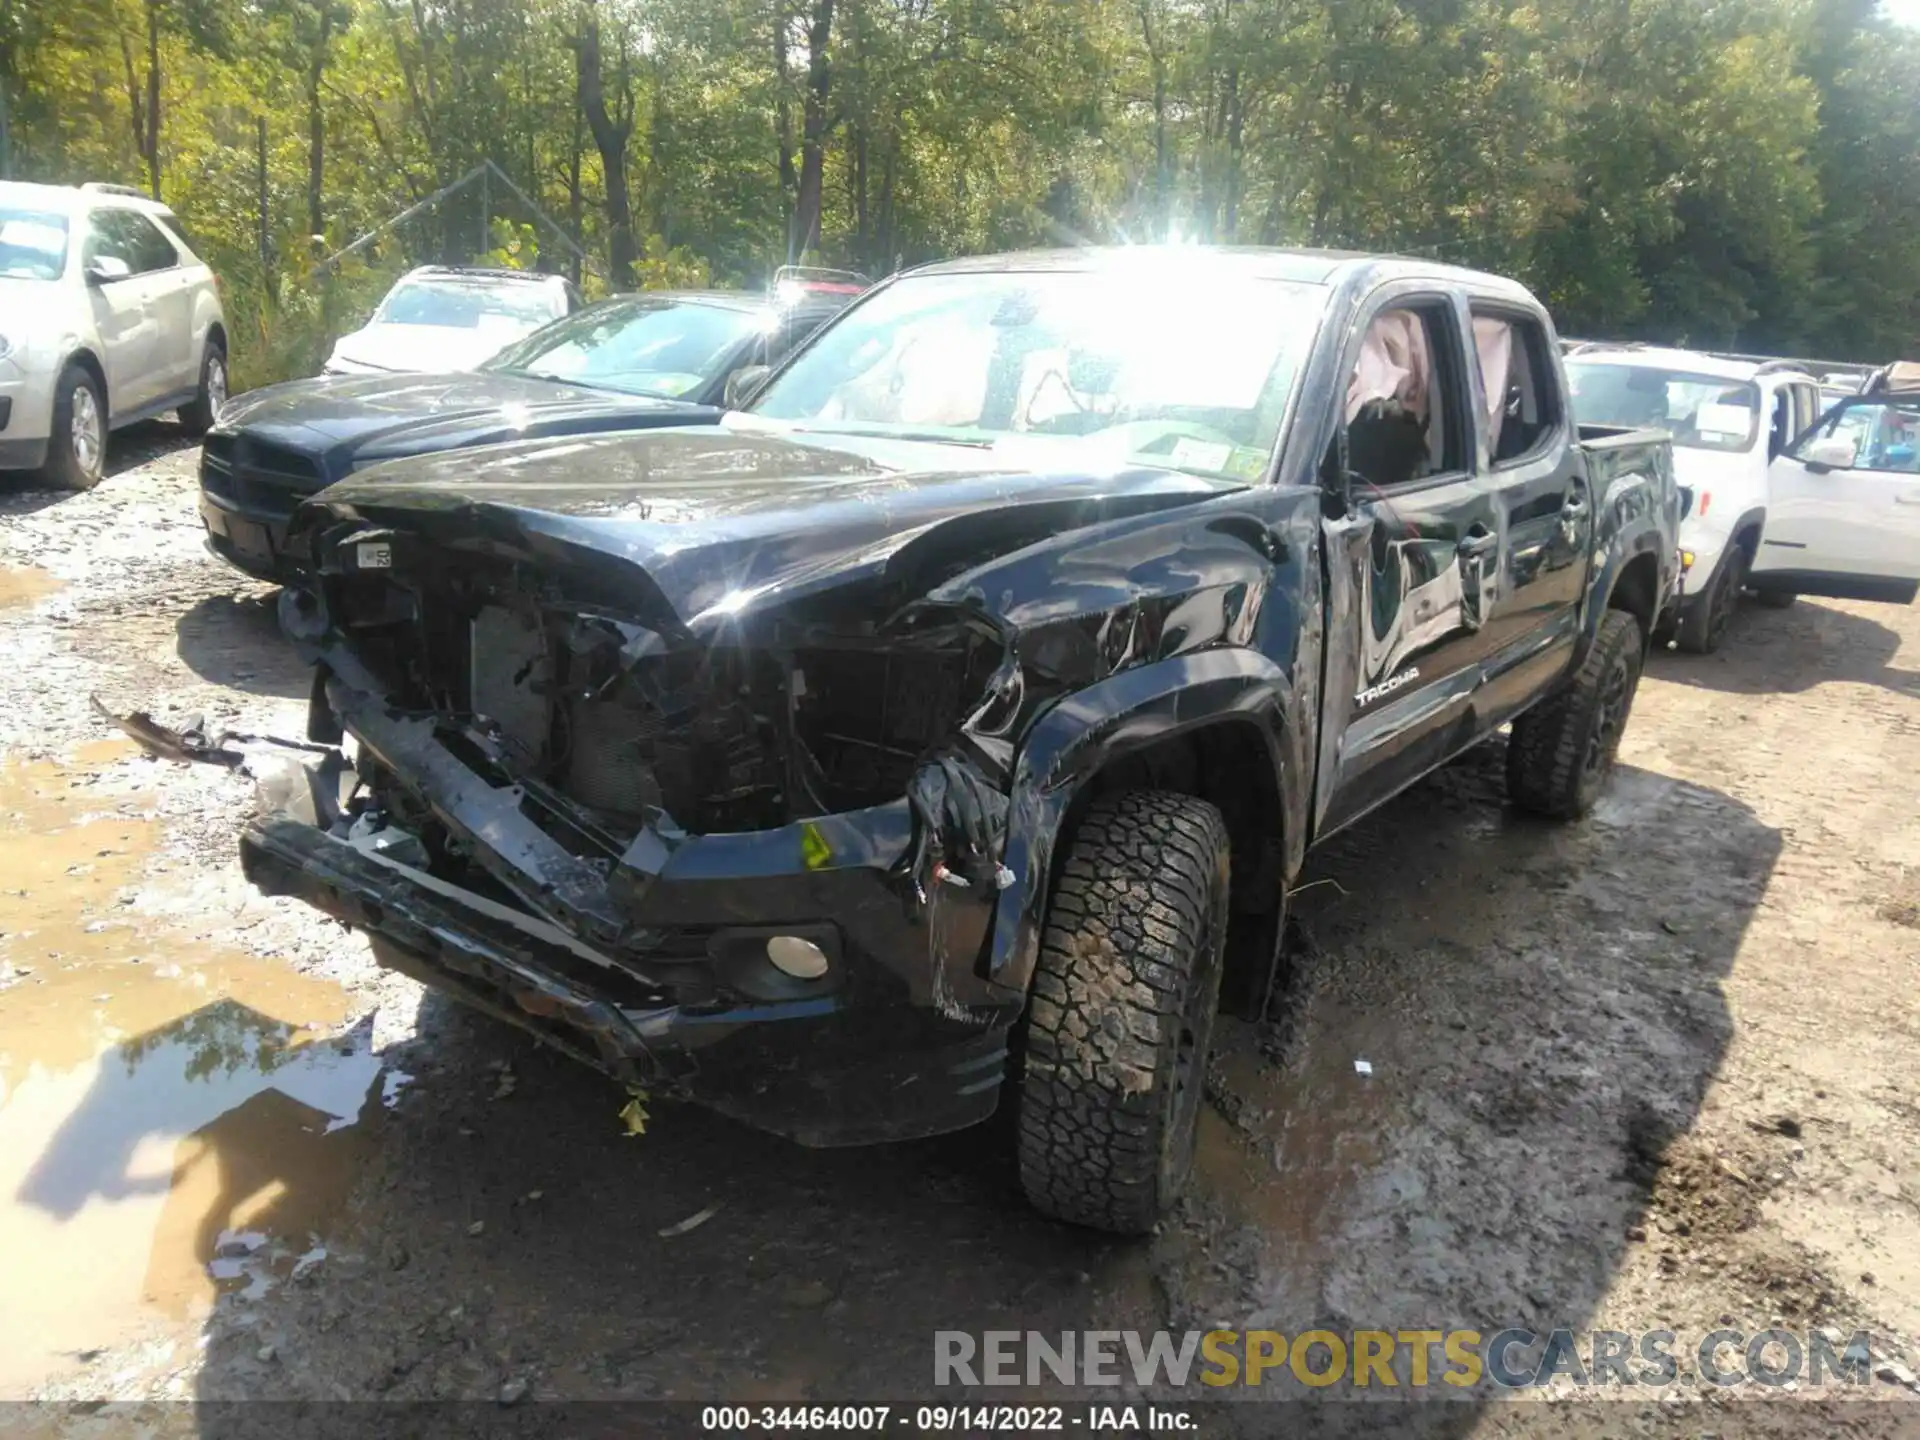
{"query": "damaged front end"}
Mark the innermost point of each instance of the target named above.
(752, 861)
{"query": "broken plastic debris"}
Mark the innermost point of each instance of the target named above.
(633, 1114)
(191, 742)
(692, 1222)
(1363, 1067)
(150, 735)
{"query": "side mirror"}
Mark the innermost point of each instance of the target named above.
(743, 383)
(1830, 452)
(104, 269)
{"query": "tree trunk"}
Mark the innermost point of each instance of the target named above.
(153, 97)
(574, 205)
(316, 124)
(611, 131)
(814, 125)
(1236, 137)
(1158, 62)
(783, 121)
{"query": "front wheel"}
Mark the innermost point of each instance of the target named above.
(1124, 998)
(77, 449)
(199, 416)
(1561, 751)
(1704, 626)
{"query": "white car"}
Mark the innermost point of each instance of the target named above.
(106, 317)
(1730, 418)
(441, 318)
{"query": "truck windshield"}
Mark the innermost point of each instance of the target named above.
(1190, 371)
(33, 244)
(1703, 412)
(638, 344)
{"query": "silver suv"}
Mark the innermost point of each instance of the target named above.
(106, 317)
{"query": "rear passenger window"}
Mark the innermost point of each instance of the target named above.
(129, 236)
(1407, 416)
(1523, 411)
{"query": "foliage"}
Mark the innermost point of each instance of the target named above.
(1727, 172)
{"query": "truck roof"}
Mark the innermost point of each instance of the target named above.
(1337, 268)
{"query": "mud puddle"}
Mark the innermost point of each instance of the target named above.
(23, 587)
(1288, 1153)
(173, 1124)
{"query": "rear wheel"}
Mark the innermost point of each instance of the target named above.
(1704, 626)
(77, 449)
(1124, 998)
(1561, 751)
(198, 417)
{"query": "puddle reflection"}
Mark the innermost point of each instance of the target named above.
(212, 1149)
(170, 1127)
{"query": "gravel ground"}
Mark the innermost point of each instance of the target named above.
(1652, 1070)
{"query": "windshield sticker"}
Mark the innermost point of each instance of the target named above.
(1716, 419)
(1191, 454)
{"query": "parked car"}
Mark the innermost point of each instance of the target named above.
(987, 674)
(106, 317)
(1730, 418)
(443, 317)
(1844, 510)
(661, 358)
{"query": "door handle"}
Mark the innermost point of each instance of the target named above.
(1910, 497)
(1474, 546)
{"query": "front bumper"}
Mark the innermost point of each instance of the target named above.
(902, 1038)
(249, 538)
(26, 416)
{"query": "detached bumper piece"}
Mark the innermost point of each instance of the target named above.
(856, 1066)
(509, 965)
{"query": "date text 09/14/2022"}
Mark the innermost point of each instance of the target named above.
(954, 1419)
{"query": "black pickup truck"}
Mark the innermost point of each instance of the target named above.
(928, 731)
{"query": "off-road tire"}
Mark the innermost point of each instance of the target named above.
(65, 468)
(1775, 599)
(1562, 750)
(197, 418)
(1704, 626)
(1123, 1004)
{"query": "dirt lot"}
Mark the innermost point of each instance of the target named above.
(1654, 1070)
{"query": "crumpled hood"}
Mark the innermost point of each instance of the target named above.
(723, 519)
(430, 347)
(347, 421)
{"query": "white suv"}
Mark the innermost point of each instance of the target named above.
(1731, 417)
(106, 317)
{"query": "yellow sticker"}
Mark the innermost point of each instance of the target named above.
(814, 848)
(634, 1114)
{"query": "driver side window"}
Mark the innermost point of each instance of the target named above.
(1405, 413)
(1780, 430)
